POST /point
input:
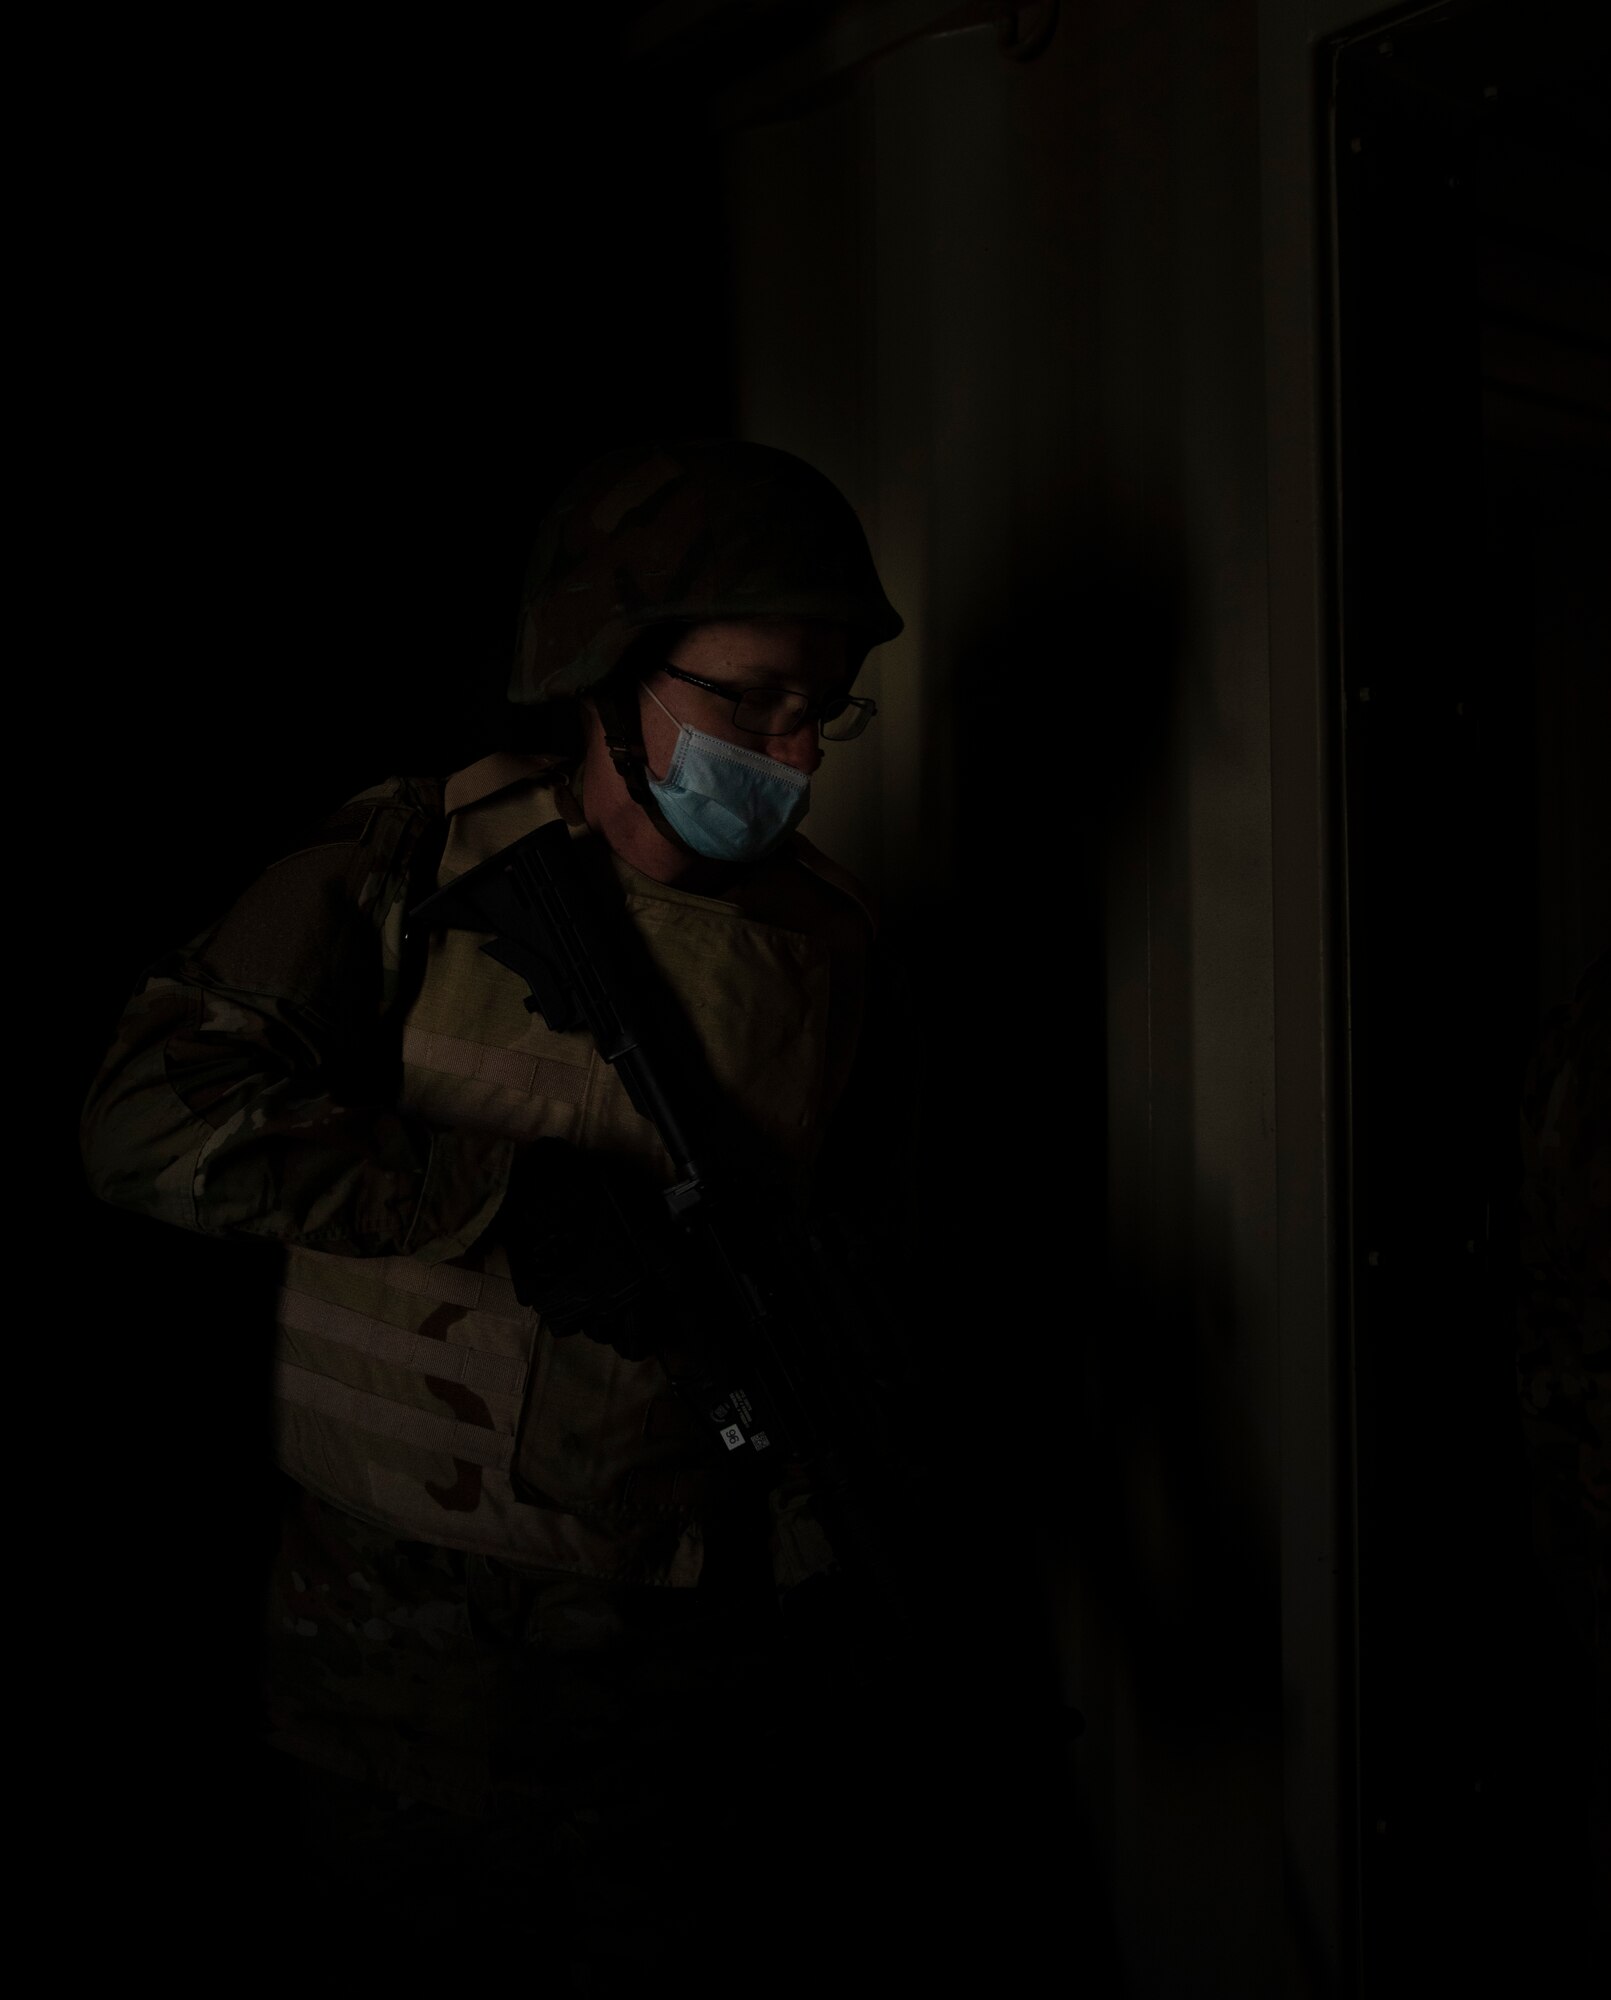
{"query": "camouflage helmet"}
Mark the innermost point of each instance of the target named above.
(685, 533)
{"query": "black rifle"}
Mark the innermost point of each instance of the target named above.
(787, 1375)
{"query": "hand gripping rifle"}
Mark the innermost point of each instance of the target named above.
(781, 1375)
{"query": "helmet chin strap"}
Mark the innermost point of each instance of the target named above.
(622, 721)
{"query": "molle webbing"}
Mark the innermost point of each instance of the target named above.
(380, 1417)
(454, 1285)
(449, 1359)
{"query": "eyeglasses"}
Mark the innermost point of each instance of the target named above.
(777, 711)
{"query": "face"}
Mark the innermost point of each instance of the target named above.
(802, 654)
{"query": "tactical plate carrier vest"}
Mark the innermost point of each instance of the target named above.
(424, 1397)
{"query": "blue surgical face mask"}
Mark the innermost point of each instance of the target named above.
(725, 802)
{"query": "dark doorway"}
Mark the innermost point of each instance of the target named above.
(1474, 453)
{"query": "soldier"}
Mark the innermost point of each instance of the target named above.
(515, 1604)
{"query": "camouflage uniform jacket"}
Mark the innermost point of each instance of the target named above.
(247, 1091)
(290, 1075)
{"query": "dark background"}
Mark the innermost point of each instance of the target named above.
(352, 312)
(1474, 447)
(356, 310)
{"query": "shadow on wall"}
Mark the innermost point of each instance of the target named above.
(1104, 1296)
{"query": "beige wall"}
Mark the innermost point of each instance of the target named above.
(1052, 327)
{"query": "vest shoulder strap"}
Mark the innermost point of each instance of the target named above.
(850, 886)
(489, 775)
